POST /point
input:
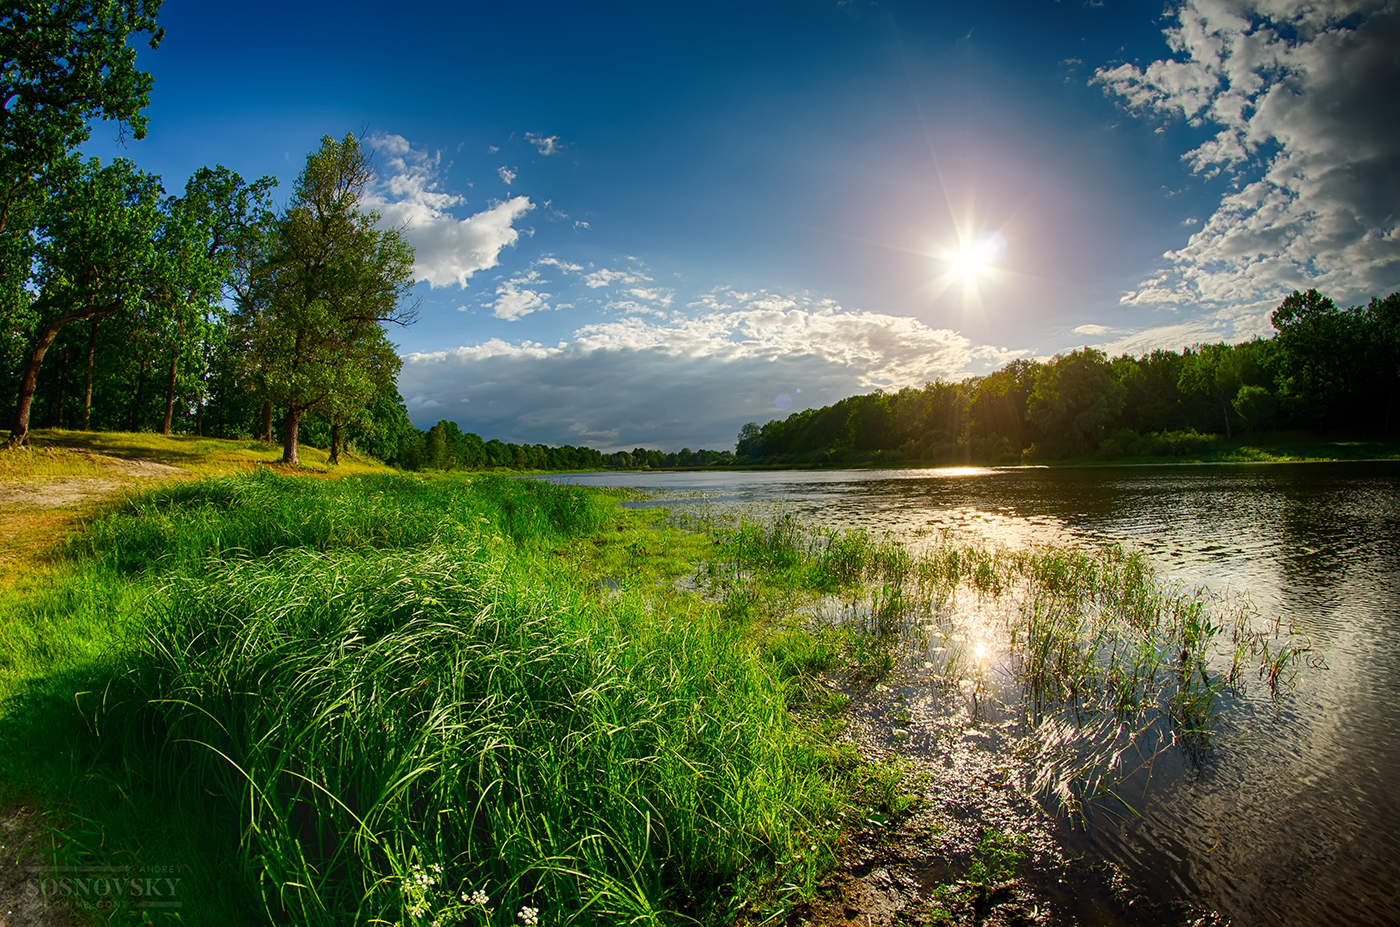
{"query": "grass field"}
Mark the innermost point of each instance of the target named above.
(365, 700)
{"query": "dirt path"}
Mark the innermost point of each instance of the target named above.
(36, 514)
(22, 881)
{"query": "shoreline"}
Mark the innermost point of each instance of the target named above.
(760, 582)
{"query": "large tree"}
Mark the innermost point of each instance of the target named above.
(96, 257)
(329, 281)
(201, 238)
(63, 64)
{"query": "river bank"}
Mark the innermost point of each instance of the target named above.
(688, 664)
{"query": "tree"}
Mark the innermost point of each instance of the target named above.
(1213, 371)
(96, 256)
(202, 235)
(1074, 400)
(1315, 347)
(62, 65)
(329, 281)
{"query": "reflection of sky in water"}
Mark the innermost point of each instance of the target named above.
(1296, 816)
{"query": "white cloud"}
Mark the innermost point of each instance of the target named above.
(653, 294)
(1301, 101)
(506, 174)
(605, 277)
(689, 380)
(582, 225)
(1091, 328)
(560, 265)
(544, 144)
(1231, 325)
(447, 250)
(515, 298)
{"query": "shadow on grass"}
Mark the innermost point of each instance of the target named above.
(114, 844)
(145, 446)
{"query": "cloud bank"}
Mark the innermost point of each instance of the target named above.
(689, 379)
(1306, 123)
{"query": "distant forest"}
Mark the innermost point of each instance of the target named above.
(1327, 371)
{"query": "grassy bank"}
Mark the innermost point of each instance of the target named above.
(367, 700)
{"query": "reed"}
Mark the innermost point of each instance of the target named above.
(1110, 665)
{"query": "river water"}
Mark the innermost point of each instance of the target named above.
(1294, 818)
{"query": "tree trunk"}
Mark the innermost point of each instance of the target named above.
(1225, 407)
(170, 392)
(57, 416)
(29, 382)
(266, 434)
(335, 444)
(87, 388)
(199, 417)
(289, 440)
(132, 418)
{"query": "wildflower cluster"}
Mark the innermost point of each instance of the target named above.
(417, 889)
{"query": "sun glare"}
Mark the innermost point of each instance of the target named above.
(976, 257)
(975, 260)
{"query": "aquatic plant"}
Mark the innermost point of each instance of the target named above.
(1110, 665)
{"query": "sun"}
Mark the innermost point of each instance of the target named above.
(970, 261)
(975, 258)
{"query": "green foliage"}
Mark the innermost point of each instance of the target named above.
(1328, 369)
(373, 698)
(65, 64)
(326, 283)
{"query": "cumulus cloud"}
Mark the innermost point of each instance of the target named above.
(447, 250)
(517, 298)
(1231, 324)
(544, 144)
(567, 267)
(1300, 99)
(506, 174)
(691, 380)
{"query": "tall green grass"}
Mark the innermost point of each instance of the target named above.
(385, 699)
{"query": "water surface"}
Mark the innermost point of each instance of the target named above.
(1295, 816)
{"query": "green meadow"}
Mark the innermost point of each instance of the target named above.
(383, 699)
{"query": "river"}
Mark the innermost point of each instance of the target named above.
(1295, 816)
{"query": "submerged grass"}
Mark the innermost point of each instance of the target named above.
(1109, 666)
(396, 700)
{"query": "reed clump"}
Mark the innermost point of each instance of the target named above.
(1107, 663)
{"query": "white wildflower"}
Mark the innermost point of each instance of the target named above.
(529, 916)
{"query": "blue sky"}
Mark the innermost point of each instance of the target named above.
(646, 224)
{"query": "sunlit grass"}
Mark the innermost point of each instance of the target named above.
(56, 452)
(367, 700)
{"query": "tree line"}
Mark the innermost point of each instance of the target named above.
(446, 447)
(1327, 370)
(125, 307)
